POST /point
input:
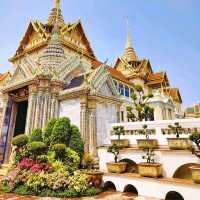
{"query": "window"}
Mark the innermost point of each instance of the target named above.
(122, 116)
(127, 94)
(121, 89)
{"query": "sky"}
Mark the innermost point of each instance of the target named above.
(164, 31)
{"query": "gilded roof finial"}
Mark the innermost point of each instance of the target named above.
(57, 4)
(129, 52)
(129, 35)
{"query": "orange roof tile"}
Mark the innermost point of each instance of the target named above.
(4, 75)
(115, 73)
(158, 78)
(174, 93)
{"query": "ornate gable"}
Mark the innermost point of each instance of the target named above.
(100, 81)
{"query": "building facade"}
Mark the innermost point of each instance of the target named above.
(56, 73)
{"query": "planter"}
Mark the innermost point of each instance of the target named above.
(121, 143)
(196, 173)
(119, 167)
(145, 144)
(179, 143)
(153, 170)
(95, 178)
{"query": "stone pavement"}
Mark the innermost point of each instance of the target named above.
(102, 196)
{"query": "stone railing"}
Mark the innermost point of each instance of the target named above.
(159, 129)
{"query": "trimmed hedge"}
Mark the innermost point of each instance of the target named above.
(36, 135)
(20, 140)
(60, 150)
(37, 148)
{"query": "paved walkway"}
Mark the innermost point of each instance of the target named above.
(102, 196)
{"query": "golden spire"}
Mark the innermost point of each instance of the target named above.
(57, 4)
(129, 52)
(53, 15)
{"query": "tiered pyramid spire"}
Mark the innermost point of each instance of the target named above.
(53, 54)
(53, 15)
(129, 53)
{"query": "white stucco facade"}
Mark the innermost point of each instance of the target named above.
(106, 114)
(71, 108)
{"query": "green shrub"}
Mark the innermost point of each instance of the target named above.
(60, 151)
(72, 160)
(37, 181)
(36, 135)
(61, 132)
(195, 137)
(20, 140)
(22, 190)
(48, 131)
(37, 148)
(91, 191)
(78, 182)
(76, 142)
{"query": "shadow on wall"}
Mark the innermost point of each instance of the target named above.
(173, 195)
(184, 172)
(131, 189)
(132, 166)
(109, 186)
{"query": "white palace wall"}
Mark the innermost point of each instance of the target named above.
(71, 108)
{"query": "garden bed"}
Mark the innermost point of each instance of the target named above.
(48, 163)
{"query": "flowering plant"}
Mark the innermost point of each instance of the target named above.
(78, 182)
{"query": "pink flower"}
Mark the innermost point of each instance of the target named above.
(26, 163)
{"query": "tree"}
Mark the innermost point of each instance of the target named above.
(140, 106)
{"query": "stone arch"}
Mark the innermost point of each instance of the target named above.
(132, 166)
(130, 189)
(184, 171)
(173, 195)
(109, 185)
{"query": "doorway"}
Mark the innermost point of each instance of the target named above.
(20, 122)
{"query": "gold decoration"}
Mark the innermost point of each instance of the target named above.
(57, 3)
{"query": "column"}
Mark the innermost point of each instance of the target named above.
(92, 132)
(84, 123)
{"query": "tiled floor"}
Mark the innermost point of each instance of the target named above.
(102, 196)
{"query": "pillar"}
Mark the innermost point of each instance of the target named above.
(92, 128)
(84, 123)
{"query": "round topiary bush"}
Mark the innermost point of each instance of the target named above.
(60, 150)
(20, 140)
(36, 135)
(37, 148)
(47, 133)
(61, 131)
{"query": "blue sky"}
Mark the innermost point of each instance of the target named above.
(165, 31)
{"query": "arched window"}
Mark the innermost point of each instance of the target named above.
(173, 195)
(109, 186)
(130, 189)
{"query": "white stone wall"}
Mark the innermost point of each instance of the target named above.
(106, 114)
(153, 187)
(71, 108)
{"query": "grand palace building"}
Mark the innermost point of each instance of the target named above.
(56, 74)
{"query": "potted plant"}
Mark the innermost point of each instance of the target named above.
(147, 143)
(150, 168)
(178, 143)
(119, 130)
(115, 167)
(95, 177)
(195, 137)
